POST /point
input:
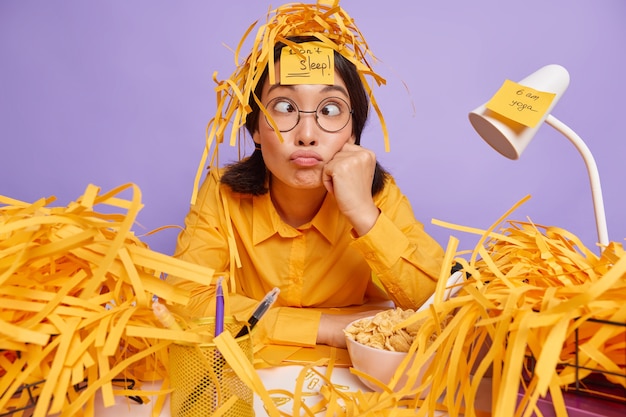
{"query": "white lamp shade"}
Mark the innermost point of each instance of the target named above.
(509, 137)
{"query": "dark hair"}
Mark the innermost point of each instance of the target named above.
(247, 176)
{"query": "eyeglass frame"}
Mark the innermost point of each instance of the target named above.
(350, 113)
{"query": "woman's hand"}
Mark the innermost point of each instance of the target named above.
(348, 176)
(331, 327)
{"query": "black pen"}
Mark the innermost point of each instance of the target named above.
(263, 306)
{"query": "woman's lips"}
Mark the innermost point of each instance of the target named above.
(305, 158)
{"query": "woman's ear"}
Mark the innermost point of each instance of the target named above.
(256, 139)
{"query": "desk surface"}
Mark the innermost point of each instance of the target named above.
(285, 377)
(279, 377)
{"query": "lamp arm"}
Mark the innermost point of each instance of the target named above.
(594, 176)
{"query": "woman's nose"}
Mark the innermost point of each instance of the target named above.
(307, 129)
(307, 142)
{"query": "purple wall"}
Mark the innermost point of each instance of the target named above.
(112, 92)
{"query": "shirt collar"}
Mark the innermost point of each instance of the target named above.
(267, 222)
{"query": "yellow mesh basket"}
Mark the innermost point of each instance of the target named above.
(202, 380)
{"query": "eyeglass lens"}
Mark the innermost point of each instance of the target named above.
(332, 114)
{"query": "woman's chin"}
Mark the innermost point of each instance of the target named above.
(307, 180)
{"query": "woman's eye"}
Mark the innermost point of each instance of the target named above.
(331, 109)
(284, 107)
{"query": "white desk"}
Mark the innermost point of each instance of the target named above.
(285, 377)
(279, 377)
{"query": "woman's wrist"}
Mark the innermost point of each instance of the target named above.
(323, 331)
(365, 221)
(329, 333)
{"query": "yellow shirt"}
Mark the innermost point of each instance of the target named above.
(318, 267)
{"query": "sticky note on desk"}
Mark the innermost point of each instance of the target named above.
(521, 104)
(276, 355)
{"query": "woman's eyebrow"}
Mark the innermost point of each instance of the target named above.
(277, 85)
(335, 88)
(326, 89)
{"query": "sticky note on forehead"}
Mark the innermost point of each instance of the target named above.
(310, 63)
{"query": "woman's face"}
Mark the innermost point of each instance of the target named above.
(297, 162)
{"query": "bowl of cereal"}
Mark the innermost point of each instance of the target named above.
(377, 349)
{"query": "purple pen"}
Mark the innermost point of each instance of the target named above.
(219, 307)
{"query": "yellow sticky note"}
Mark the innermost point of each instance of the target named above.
(311, 63)
(520, 103)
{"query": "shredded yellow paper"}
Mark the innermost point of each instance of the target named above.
(538, 312)
(531, 289)
(73, 282)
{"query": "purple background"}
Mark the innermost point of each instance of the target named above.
(113, 92)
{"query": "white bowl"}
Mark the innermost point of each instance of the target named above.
(378, 363)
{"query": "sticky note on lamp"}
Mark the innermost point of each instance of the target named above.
(521, 104)
(311, 63)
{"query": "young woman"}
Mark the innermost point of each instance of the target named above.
(310, 212)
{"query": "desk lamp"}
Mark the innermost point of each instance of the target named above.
(510, 137)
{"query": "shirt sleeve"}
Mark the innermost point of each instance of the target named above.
(280, 325)
(405, 259)
(293, 326)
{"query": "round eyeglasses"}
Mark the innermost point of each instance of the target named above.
(331, 115)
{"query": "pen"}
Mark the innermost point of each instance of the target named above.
(263, 306)
(219, 307)
(219, 328)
